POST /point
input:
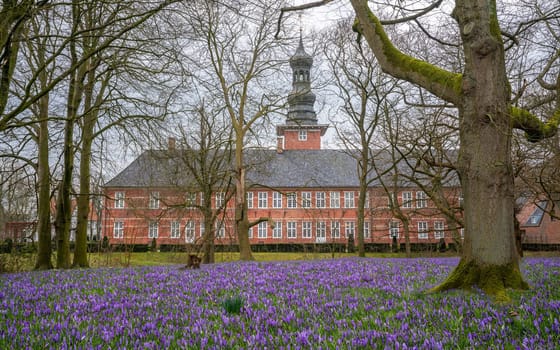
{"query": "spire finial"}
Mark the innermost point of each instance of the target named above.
(300, 28)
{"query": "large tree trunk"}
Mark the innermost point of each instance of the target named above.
(241, 215)
(44, 190)
(208, 239)
(490, 259)
(83, 200)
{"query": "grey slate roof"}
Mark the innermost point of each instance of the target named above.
(265, 167)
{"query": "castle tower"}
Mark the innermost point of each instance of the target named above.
(301, 130)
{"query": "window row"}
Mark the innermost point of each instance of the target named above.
(278, 200)
(287, 229)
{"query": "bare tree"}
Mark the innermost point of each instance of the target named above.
(364, 96)
(237, 54)
(481, 93)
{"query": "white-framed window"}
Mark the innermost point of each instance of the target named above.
(335, 229)
(153, 228)
(190, 199)
(366, 200)
(190, 231)
(175, 229)
(320, 199)
(407, 199)
(118, 229)
(306, 199)
(220, 229)
(263, 227)
(250, 232)
(321, 231)
(292, 200)
(154, 200)
(462, 232)
(249, 199)
(439, 229)
(201, 229)
(349, 200)
(422, 230)
(201, 199)
(421, 199)
(350, 229)
(277, 231)
(220, 197)
(367, 232)
(394, 229)
(335, 199)
(291, 229)
(263, 200)
(276, 200)
(119, 200)
(306, 228)
(302, 135)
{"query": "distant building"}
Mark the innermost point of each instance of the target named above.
(310, 193)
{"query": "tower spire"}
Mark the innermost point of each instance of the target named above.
(301, 98)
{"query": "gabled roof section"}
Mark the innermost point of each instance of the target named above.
(265, 168)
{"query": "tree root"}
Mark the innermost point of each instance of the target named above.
(494, 280)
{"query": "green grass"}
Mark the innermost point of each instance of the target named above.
(25, 262)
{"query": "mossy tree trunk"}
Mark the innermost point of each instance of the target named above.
(481, 94)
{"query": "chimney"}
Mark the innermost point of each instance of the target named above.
(280, 144)
(171, 143)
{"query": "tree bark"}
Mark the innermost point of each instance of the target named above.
(44, 190)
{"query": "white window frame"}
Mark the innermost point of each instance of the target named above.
(175, 229)
(276, 199)
(251, 232)
(201, 229)
(302, 135)
(423, 231)
(407, 199)
(201, 199)
(153, 229)
(249, 198)
(190, 231)
(334, 199)
(366, 200)
(350, 228)
(321, 232)
(190, 199)
(306, 199)
(367, 231)
(292, 200)
(394, 229)
(349, 201)
(220, 198)
(220, 229)
(154, 200)
(291, 229)
(277, 231)
(118, 229)
(263, 230)
(306, 229)
(119, 200)
(335, 229)
(439, 229)
(263, 200)
(421, 200)
(320, 199)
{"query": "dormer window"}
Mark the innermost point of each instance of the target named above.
(302, 135)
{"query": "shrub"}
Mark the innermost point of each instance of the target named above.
(233, 305)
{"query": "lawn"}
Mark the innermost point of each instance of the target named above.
(342, 303)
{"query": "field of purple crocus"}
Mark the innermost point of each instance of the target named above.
(347, 303)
